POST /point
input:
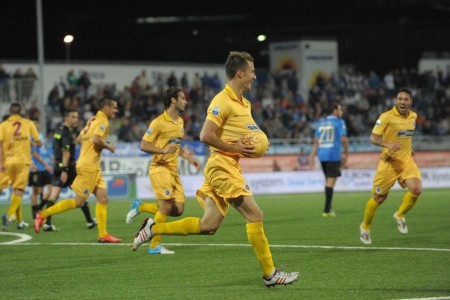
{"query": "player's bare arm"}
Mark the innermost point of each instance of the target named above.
(102, 144)
(312, 162)
(210, 136)
(65, 165)
(345, 152)
(2, 167)
(378, 141)
(189, 158)
(42, 161)
(79, 139)
(150, 148)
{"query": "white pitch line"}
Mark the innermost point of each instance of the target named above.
(432, 298)
(22, 238)
(17, 242)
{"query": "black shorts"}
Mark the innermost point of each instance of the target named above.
(331, 168)
(56, 178)
(39, 178)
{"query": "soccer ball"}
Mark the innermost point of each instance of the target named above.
(257, 139)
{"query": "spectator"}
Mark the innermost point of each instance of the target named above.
(4, 85)
(28, 83)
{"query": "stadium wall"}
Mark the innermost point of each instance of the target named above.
(119, 74)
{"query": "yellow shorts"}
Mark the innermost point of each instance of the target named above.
(4, 180)
(167, 186)
(387, 174)
(86, 181)
(18, 174)
(223, 181)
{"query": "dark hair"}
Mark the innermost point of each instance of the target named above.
(236, 61)
(332, 106)
(5, 117)
(68, 112)
(405, 90)
(15, 108)
(34, 119)
(105, 101)
(170, 93)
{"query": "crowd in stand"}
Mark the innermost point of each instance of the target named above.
(278, 105)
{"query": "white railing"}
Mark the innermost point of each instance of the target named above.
(18, 90)
(359, 144)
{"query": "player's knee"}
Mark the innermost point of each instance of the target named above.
(256, 217)
(416, 191)
(176, 213)
(379, 199)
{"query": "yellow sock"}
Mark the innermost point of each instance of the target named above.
(408, 202)
(60, 207)
(149, 207)
(101, 214)
(184, 226)
(371, 207)
(159, 218)
(19, 214)
(15, 204)
(258, 240)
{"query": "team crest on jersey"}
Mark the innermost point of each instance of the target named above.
(149, 131)
(167, 192)
(246, 187)
(215, 111)
(85, 191)
(102, 127)
(378, 189)
(378, 122)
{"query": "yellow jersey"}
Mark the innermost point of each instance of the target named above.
(235, 121)
(4, 149)
(164, 131)
(16, 134)
(394, 127)
(89, 156)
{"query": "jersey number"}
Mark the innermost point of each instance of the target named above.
(17, 125)
(89, 125)
(326, 134)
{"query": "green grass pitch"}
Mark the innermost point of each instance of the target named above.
(334, 264)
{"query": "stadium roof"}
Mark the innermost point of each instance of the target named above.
(376, 34)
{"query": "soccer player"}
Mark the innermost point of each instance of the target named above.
(228, 120)
(163, 139)
(15, 157)
(40, 173)
(329, 140)
(4, 179)
(89, 177)
(393, 132)
(64, 174)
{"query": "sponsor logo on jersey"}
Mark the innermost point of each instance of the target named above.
(252, 126)
(174, 141)
(403, 133)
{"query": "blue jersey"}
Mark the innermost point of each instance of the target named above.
(329, 132)
(44, 152)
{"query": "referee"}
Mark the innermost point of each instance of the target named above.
(64, 173)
